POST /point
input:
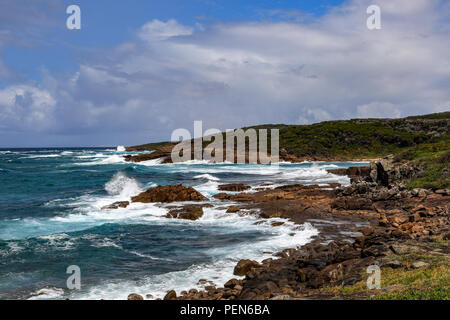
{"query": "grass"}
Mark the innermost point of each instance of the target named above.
(428, 283)
(431, 283)
(434, 158)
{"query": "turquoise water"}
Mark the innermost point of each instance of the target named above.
(51, 218)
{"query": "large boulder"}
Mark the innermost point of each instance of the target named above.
(135, 296)
(171, 295)
(169, 194)
(385, 173)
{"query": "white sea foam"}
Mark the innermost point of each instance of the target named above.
(153, 162)
(102, 159)
(123, 186)
(224, 258)
(47, 294)
(41, 156)
(120, 149)
(207, 177)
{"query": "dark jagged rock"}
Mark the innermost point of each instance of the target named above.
(352, 172)
(116, 205)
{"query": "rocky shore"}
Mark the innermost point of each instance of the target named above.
(374, 221)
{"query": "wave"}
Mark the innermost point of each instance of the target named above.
(207, 177)
(123, 186)
(223, 258)
(47, 294)
(120, 149)
(41, 156)
(102, 160)
(150, 163)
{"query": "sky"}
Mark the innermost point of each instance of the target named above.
(139, 69)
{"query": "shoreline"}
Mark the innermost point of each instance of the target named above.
(358, 226)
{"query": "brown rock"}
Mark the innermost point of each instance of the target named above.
(352, 171)
(233, 209)
(232, 283)
(244, 266)
(135, 296)
(236, 187)
(352, 203)
(187, 212)
(171, 295)
(169, 194)
(277, 224)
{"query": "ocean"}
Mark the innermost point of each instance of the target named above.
(51, 218)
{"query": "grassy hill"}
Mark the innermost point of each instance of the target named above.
(422, 139)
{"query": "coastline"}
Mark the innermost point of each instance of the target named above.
(360, 225)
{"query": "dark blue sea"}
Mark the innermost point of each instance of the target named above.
(51, 218)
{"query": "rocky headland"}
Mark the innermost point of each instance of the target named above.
(394, 214)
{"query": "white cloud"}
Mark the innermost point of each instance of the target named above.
(26, 107)
(235, 74)
(159, 30)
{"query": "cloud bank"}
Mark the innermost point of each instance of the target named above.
(235, 74)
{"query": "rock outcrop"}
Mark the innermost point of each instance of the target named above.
(167, 194)
(386, 173)
(116, 205)
(188, 212)
(236, 187)
(244, 266)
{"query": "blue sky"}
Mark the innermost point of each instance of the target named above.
(108, 23)
(137, 70)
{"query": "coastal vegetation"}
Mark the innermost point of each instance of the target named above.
(423, 141)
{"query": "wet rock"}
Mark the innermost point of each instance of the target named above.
(277, 224)
(233, 209)
(116, 205)
(169, 194)
(187, 212)
(171, 295)
(235, 187)
(244, 266)
(135, 296)
(352, 171)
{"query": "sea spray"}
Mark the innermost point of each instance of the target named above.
(122, 185)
